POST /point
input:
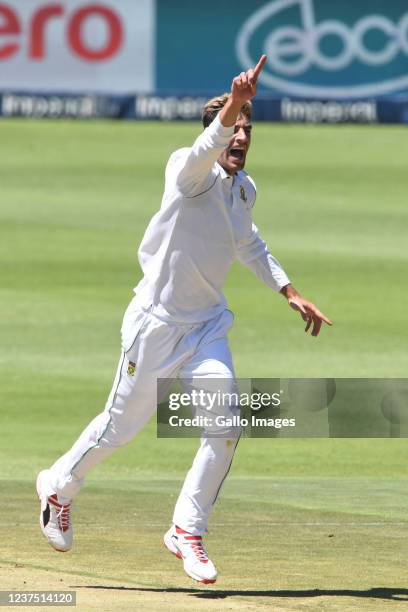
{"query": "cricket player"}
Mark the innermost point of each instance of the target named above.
(176, 325)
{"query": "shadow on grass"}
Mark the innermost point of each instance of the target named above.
(394, 594)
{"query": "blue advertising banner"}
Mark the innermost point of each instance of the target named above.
(316, 49)
(187, 107)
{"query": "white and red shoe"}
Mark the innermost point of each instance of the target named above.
(190, 549)
(55, 519)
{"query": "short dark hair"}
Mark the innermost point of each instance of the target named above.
(213, 107)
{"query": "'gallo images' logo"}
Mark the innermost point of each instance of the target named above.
(326, 59)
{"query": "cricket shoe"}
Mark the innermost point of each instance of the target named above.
(190, 549)
(55, 520)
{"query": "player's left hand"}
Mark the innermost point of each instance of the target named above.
(308, 311)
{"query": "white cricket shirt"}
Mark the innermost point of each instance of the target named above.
(203, 225)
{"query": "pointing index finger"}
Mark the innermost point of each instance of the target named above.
(259, 66)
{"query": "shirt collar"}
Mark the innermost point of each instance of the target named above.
(225, 175)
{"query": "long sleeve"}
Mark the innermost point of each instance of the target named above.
(191, 169)
(254, 254)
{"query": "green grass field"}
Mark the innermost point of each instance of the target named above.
(306, 524)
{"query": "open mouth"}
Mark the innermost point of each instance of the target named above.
(237, 154)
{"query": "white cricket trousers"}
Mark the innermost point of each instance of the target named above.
(195, 353)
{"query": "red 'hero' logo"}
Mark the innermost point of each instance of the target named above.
(10, 26)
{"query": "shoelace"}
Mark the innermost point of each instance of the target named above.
(64, 519)
(63, 514)
(198, 549)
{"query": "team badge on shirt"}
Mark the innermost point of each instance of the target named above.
(131, 368)
(242, 193)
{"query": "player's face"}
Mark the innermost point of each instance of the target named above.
(233, 157)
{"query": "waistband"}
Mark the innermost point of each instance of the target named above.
(159, 312)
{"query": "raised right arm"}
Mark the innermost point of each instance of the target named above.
(193, 171)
